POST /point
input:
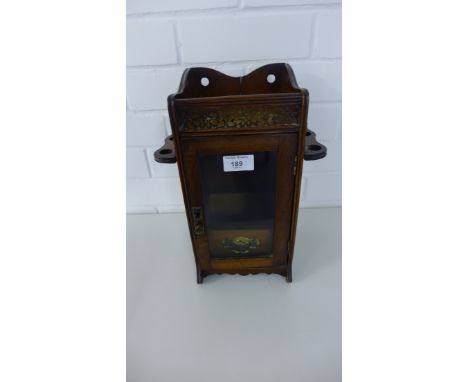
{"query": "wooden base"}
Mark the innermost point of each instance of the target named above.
(286, 272)
(199, 276)
(289, 274)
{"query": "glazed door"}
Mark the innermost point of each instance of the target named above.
(240, 191)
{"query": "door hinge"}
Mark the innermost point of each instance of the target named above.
(295, 165)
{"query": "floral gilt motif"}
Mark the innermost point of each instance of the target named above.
(239, 117)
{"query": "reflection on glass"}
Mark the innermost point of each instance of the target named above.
(239, 206)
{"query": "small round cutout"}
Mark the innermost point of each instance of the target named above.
(165, 151)
(314, 148)
(271, 78)
(204, 81)
(308, 133)
(171, 138)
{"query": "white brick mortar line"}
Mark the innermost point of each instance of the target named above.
(227, 11)
(314, 37)
(259, 62)
(178, 43)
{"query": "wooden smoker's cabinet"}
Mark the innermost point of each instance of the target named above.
(239, 143)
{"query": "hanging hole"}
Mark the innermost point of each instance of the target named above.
(308, 133)
(171, 138)
(271, 78)
(165, 151)
(314, 148)
(204, 81)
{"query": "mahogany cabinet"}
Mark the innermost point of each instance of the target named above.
(239, 143)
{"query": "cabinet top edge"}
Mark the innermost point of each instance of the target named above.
(238, 99)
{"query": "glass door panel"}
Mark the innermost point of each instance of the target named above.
(239, 198)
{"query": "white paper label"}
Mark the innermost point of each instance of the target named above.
(238, 163)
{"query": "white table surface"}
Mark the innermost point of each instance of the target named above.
(232, 328)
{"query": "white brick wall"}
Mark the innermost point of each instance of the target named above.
(150, 42)
(249, 37)
(234, 36)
